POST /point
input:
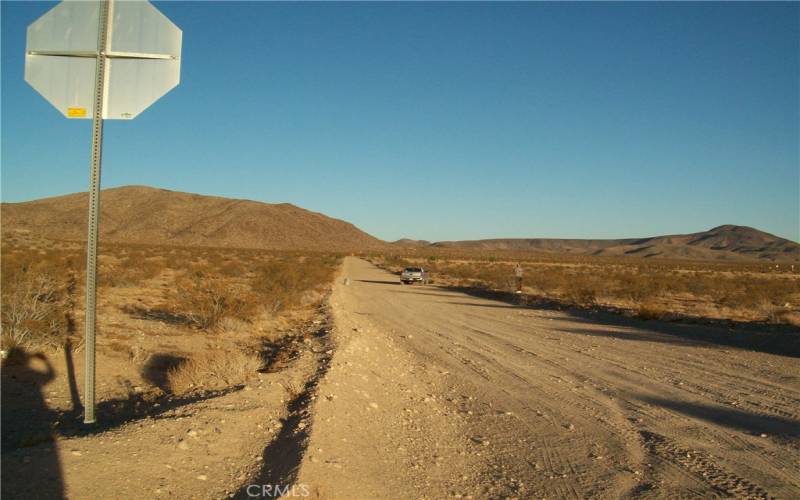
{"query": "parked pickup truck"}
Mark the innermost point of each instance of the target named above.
(414, 275)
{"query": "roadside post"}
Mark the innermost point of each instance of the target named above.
(103, 60)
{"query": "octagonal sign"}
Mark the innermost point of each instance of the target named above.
(142, 57)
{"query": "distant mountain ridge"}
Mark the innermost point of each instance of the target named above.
(411, 243)
(728, 242)
(146, 215)
(141, 214)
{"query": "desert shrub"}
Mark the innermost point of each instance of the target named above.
(55, 263)
(281, 283)
(35, 312)
(650, 311)
(230, 324)
(232, 268)
(581, 294)
(773, 313)
(635, 287)
(784, 317)
(212, 370)
(176, 258)
(204, 300)
(547, 279)
(698, 285)
(133, 270)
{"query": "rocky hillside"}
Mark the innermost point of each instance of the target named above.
(138, 214)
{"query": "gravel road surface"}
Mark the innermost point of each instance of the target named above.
(433, 393)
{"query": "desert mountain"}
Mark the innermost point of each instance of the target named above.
(407, 242)
(720, 243)
(138, 214)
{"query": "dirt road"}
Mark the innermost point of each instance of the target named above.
(434, 393)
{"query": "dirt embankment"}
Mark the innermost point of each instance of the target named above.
(205, 444)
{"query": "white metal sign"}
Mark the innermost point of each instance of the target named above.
(101, 59)
(143, 57)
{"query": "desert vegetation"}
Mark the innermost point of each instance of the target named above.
(209, 308)
(648, 288)
(213, 370)
(38, 287)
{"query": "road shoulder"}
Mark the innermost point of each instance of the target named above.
(381, 427)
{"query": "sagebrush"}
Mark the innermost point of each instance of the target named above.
(212, 370)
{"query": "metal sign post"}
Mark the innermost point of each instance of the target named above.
(114, 60)
(100, 91)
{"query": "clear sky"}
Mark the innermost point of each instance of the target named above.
(453, 120)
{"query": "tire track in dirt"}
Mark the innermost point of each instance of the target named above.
(544, 403)
(702, 466)
(759, 453)
(483, 352)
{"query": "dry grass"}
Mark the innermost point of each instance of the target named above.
(647, 288)
(213, 370)
(293, 391)
(36, 310)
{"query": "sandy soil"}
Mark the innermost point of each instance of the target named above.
(433, 393)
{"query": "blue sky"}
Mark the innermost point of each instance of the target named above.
(453, 120)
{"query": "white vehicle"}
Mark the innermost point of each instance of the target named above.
(414, 275)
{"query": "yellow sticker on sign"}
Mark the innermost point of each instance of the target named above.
(76, 112)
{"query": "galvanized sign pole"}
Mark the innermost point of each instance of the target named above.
(136, 56)
(100, 91)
